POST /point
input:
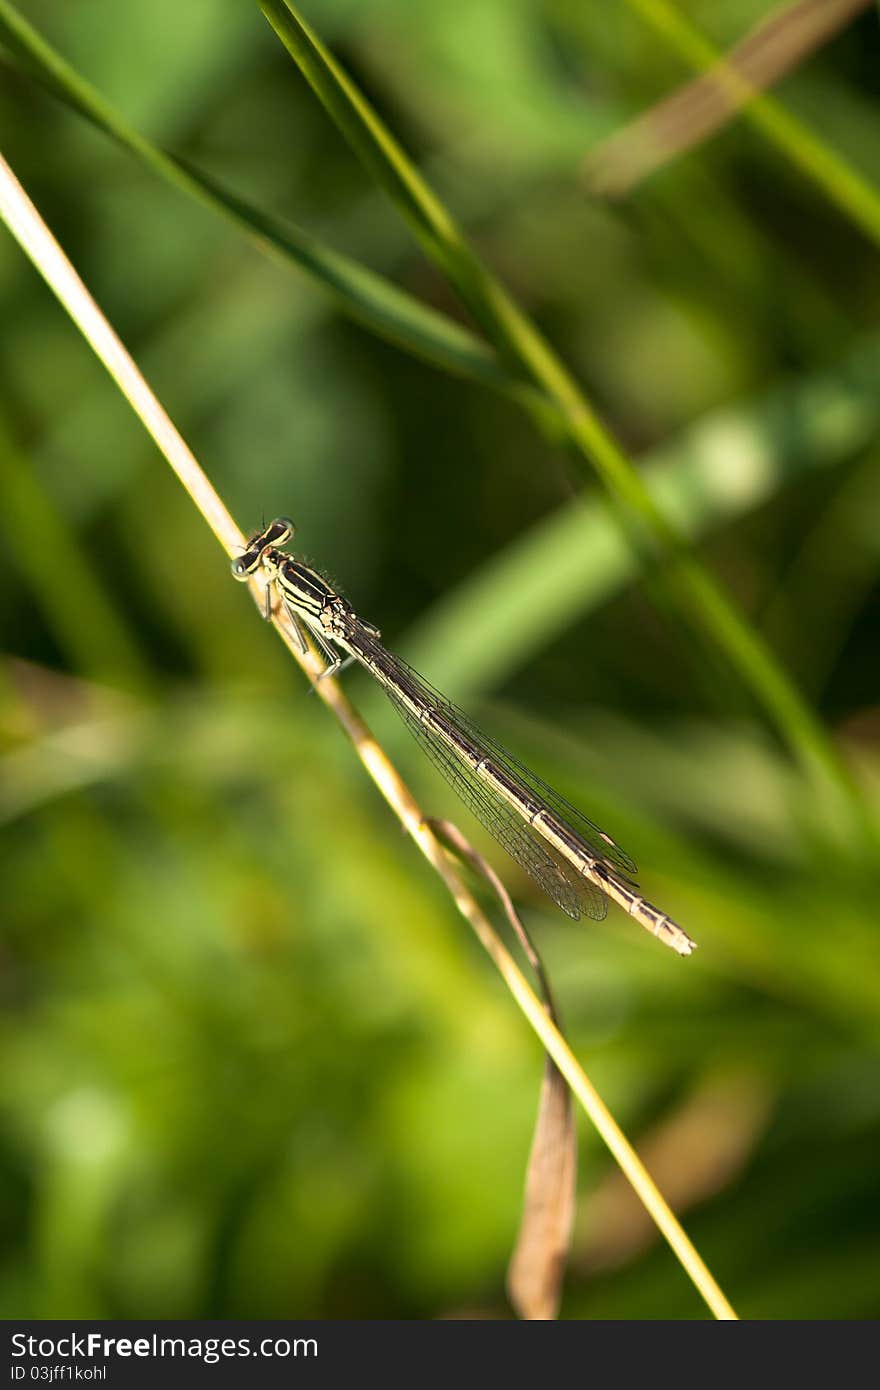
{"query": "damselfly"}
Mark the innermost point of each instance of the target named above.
(570, 858)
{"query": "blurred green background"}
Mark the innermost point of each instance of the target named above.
(253, 1063)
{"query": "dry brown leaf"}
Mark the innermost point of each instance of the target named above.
(537, 1266)
(535, 1273)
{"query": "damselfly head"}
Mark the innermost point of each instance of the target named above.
(278, 532)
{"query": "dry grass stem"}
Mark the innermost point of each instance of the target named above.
(701, 107)
(37, 241)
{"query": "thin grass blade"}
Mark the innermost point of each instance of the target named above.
(359, 292)
(718, 623)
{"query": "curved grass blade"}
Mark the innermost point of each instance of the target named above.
(518, 342)
(358, 291)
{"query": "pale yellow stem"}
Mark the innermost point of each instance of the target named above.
(37, 241)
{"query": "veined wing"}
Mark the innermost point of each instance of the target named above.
(558, 878)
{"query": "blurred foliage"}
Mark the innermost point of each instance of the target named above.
(253, 1065)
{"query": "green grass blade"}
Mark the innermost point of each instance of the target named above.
(359, 292)
(520, 345)
(368, 137)
(844, 186)
(372, 300)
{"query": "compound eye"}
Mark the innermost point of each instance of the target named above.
(241, 568)
(281, 531)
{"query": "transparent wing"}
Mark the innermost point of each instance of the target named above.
(567, 889)
(558, 879)
(595, 840)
